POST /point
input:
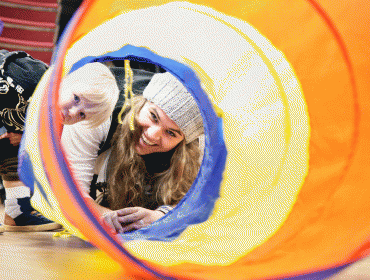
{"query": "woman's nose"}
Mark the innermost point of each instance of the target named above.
(154, 132)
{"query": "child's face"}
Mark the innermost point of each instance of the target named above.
(159, 132)
(73, 106)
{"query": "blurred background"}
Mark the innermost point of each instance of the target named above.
(34, 26)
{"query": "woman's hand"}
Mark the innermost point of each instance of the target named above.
(131, 218)
(111, 218)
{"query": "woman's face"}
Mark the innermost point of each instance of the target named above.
(159, 132)
(73, 106)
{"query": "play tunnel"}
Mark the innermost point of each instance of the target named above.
(282, 87)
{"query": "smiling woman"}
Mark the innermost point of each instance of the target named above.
(160, 133)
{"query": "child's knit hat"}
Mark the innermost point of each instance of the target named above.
(168, 93)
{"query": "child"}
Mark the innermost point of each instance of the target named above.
(88, 94)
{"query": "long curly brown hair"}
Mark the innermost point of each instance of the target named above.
(128, 175)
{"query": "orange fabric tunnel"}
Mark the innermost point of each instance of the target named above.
(316, 55)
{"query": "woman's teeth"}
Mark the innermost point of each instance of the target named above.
(146, 141)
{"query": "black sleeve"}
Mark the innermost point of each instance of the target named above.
(13, 119)
(19, 75)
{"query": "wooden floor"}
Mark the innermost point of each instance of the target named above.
(42, 256)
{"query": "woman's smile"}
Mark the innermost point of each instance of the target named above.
(159, 133)
(146, 141)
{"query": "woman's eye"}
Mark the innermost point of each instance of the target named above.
(82, 115)
(76, 98)
(154, 117)
(171, 133)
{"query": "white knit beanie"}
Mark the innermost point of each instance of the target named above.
(168, 93)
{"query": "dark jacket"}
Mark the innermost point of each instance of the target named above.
(19, 76)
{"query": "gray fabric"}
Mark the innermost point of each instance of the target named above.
(169, 94)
